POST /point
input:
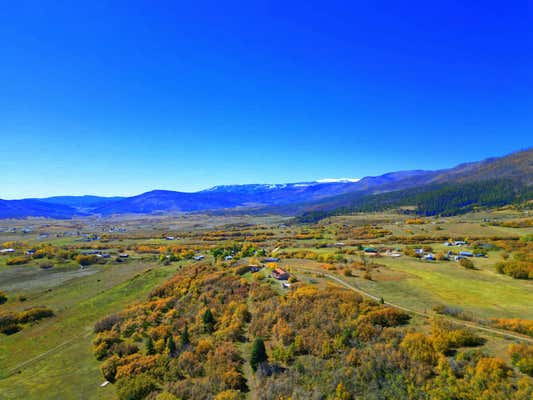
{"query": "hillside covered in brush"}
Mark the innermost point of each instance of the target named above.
(208, 333)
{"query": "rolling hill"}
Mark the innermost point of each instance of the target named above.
(81, 203)
(35, 208)
(514, 172)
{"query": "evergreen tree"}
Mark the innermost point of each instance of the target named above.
(171, 346)
(150, 350)
(209, 321)
(184, 337)
(259, 354)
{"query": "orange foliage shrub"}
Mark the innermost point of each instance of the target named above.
(524, 326)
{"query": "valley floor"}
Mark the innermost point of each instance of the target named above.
(54, 358)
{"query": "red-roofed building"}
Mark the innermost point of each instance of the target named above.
(280, 274)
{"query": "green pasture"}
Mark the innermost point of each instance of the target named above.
(63, 365)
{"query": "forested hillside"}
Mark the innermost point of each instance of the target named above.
(440, 199)
(192, 339)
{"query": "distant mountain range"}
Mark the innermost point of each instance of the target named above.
(291, 198)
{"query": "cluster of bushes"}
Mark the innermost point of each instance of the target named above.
(107, 323)
(447, 337)
(11, 322)
(522, 357)
(85, 260)
(455, 312)
(19, 260)
(236, 251)
(313, 255)
(523, 326)
(515, 268)
(361, 232)
(308, 235)
(466, 263)
(415, 221)
(48, 252)
(519, 223)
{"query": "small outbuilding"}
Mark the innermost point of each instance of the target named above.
(270, 259)
(280, 274)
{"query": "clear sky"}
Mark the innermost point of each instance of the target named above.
(121, 97)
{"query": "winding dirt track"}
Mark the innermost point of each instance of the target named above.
(472, 325)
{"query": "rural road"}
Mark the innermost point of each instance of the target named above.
(424, 315)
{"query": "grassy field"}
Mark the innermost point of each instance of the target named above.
(421, 285)
(68, 368)
(424, 285)
(476, 224)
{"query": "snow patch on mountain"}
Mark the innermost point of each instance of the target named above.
(338, 180)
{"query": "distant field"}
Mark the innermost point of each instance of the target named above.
(475, 224)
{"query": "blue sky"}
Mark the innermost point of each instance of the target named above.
(117, 98)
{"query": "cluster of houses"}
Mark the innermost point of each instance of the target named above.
(101, 254)
(116, 229)
(86, 237)
(456, 243)
(96, 253)
(7, 229)
(449, 255)
(372, 251)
